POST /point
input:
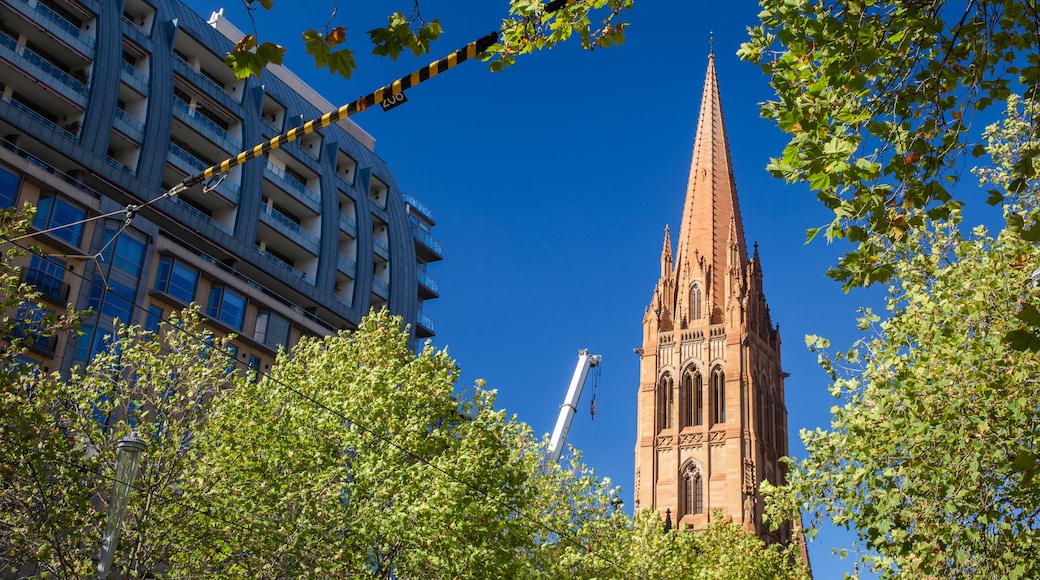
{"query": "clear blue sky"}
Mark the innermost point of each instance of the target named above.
(552, 183)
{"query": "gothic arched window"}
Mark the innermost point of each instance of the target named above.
(665, 402)
(693, 490)
(686, 400)
(696, 302)
(691, 399)
(718, 396)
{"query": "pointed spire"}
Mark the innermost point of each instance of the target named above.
(711, 206)
(666, 255)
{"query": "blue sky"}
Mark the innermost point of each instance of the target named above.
(552, 183)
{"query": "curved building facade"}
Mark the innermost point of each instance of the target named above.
(108, 104)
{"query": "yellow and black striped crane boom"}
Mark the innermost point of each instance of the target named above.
(372, 99)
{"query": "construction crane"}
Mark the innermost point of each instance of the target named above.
(569, 407)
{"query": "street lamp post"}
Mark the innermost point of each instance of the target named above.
(128, 458)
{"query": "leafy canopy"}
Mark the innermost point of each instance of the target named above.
(932, 452)
(530, 26)
(878, 97)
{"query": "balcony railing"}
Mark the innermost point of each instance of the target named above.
(422, 209)
(294, 184)
(201, 215)
(41, 67)
(347, 266)
(425, 321)
(207, 127)
(381, 287)
(119, 165)
(348, 224)
(129, 119)
(128, 125)
(30, 333)
(138, 79)
(381, 245)
(135, 25)
(28, 111)
(281, 263)
(65, 29)
(205, 78)
(289, 227)
(50, 169)
(188, 158)
(345, 301)
(430, 283)
(49, 285)
(427, 240)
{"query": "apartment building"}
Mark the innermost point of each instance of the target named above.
(107, 104)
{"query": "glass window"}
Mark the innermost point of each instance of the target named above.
(153, 318)
(693, 492)
(718, 396)
(232, 358)
(126, 254)
(272, 330)
(177, 279)
(254, 365)
(692, 407)
(8, 188)
(227, 306)
(32, 326)
(47, 275)
(665, 402)
(696, 301)
(53, 212)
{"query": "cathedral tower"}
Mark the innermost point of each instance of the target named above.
(711, 417)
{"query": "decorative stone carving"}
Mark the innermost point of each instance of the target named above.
(717, 436)
(691, 439)
(749, 476)
(664, 440)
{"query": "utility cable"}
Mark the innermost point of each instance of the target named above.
(377, 97)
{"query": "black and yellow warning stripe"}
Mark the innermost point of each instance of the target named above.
(463, 54)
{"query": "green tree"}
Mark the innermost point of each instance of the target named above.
(357, 456)
(879, 98)
(59, 449)
(932, 455)
(641, 547)
(33, 514)
(531, 25)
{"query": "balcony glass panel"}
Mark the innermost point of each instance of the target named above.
(427, 240)
(206, 127)
(41, 68)
(425, 321)
(381, 287)
(49, 285)
(278, 261)
(25, 109)
(422, 209)
(129, 125)
(290, 228)
(187, 158)
(347, 224)
(427, 281)
(195, 212)
(64, 29)
(134, 77)
(294, 184)
(347, 266)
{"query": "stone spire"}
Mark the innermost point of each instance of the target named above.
(666, 255)
(711, 214)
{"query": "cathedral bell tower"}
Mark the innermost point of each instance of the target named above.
(711, 417)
